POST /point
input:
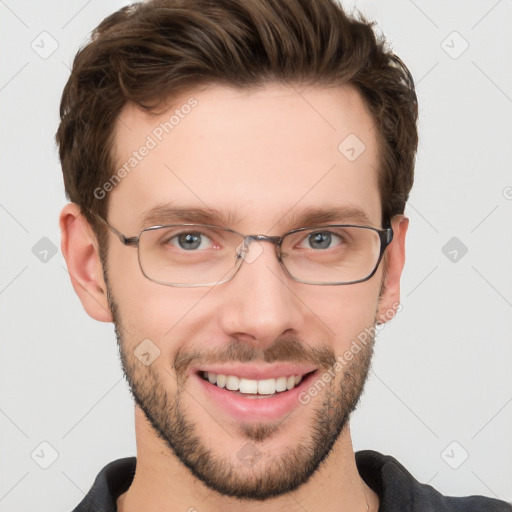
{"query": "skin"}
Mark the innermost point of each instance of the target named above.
(263, 154)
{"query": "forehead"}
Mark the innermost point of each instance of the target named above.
(259, 156)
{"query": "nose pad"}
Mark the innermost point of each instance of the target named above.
(249, 250)
(241, 250)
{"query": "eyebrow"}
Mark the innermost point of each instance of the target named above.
(310, 216)
(339, 214)
(170, 214)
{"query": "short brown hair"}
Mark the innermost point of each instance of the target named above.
(149, 52)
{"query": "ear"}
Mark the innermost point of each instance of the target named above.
(389, 302)
(80, 249)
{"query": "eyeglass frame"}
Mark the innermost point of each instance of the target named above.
(385, 236)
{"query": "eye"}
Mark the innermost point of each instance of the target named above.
(190, 241)
(322, 240)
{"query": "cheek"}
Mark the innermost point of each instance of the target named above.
(162, 315)
(148, 309)
(345, 311)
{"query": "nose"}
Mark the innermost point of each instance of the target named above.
(260, 303)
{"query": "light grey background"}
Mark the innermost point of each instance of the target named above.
(441, 386)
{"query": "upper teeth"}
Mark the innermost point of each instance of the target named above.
(262, 387)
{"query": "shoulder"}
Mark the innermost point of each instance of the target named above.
(399, 490)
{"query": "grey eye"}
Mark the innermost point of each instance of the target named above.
(189, 241)
(320, 240)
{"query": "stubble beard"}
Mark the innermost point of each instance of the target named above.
(269, 476)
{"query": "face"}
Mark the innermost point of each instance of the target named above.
(263, 161)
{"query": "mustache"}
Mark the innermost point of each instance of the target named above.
(288, 349)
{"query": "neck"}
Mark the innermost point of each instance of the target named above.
(163, 483)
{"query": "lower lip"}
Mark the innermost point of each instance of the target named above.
(269, 408)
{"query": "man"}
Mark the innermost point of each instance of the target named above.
(238, 173)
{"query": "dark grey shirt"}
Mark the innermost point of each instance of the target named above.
(397, 489)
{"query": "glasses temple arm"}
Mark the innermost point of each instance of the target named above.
(124, 240)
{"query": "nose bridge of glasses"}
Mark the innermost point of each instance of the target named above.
(265, 238)
(244, 248)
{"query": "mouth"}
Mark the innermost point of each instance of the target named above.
(253, 395)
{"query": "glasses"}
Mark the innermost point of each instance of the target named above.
(193, 255)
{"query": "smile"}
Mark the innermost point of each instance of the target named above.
(252, 393)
